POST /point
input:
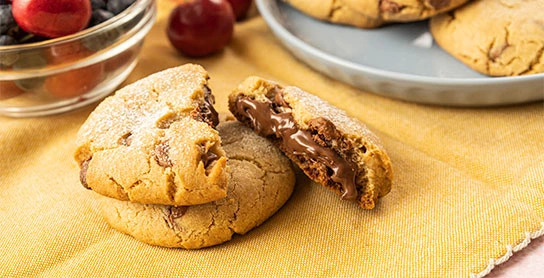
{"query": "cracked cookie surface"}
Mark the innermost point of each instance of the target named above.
(494, 37)
(261, 180)
(333, 149)
(373, 13)
(154, 142)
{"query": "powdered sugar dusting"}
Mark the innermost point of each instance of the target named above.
(307, 106)
(138, 107)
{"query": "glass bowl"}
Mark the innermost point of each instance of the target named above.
(66, 73)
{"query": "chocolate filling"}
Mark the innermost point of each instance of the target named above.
(205, 112)
(83, 173)
(268, 121)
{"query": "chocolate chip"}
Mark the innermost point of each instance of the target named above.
(205, 112)
(173, 214)
(325, 130)
(161, 154)
(208, 158)
(177, 212)
(83, 173)
(439, 4)
(495, 53)
(387, 6)
(125, 140)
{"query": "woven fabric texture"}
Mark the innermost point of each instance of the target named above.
(468, 187)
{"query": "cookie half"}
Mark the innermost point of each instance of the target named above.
(373, 13)
(332, 148)
(494, 37)
(261, 180)
(154, 142)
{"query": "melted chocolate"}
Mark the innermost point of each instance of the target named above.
(268, 122)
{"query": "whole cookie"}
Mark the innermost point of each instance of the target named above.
(373, 13)
(331, 148)
(494, 37)
(261, 180)
(154, 142)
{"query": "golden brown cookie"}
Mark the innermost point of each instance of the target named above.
(154, 142)
(336, 12)
(494, 37)
(261, 179)
(329, 146)
(373, 13)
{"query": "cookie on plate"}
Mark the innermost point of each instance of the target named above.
(261, 179)
(154, 142)
(494, 37)
(331, 148)
(337, 12)
(373, 13)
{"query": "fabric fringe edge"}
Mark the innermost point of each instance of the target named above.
(510, 252)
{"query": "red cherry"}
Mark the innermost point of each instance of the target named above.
(75, 82)
(199, 28)
(66, 52)
(240, 8)
(8, 89)
(52, 19)
(120, 60)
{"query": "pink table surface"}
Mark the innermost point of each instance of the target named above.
(527, 263)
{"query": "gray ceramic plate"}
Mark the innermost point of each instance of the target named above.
(399, 61)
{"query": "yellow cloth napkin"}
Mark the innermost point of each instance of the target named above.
(468, 188)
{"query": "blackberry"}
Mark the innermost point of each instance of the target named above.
(98, 4)
(98, 16)
(102, 40)
(30, 61)
(6, 19)
(7, 40)
(117, 6)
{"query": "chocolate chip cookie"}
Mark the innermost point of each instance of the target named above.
(373, 13)
(154, 142)
(332, 148)
(261, 179)
(494, 37)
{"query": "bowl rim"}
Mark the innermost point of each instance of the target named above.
(127, 14)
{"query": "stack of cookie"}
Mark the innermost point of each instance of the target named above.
(493, 37)
(172, 175)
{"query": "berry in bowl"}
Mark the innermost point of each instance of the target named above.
(56, 56)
